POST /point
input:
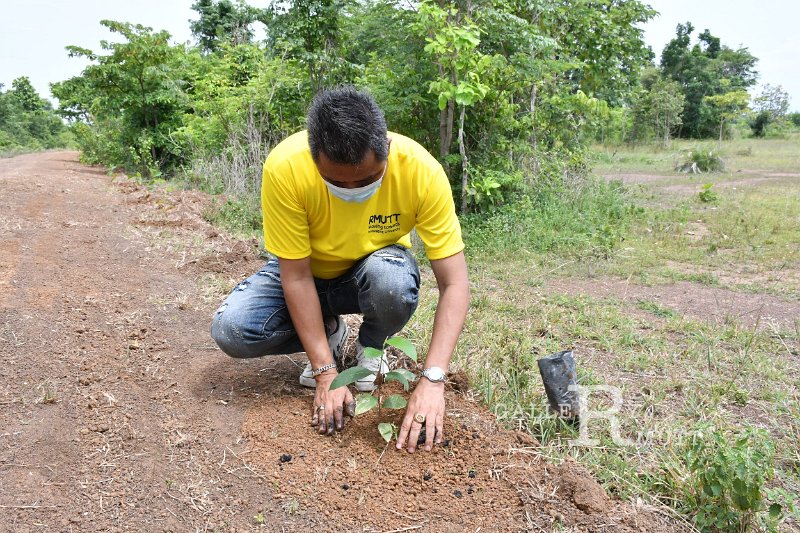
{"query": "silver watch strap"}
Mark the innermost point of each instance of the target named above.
(324, 368)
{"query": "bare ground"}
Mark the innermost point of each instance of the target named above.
(119, 413)
(691, 299)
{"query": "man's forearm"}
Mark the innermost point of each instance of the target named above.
(304, 309)
(451, 313)
(451, 310)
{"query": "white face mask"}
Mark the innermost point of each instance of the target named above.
(357, 194)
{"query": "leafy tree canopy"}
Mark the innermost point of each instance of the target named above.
(705, 69)
(223, 21)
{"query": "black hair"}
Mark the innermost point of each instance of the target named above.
(345, 124)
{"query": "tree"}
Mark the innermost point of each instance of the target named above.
(26, 96)
(603, 38)
(453, 44)
(773, 100)
(132, 94)
(729, 106)
(769, 106)
(657, 107)
(308, 31)
(27, 122)
(222, 22)
(708, 68)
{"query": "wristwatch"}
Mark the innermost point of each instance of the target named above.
(435, 374)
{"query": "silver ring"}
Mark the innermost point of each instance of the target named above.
(321, 408)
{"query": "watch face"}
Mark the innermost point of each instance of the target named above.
(434, 374)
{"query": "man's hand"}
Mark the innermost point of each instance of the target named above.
(427, 400)
(330, 406)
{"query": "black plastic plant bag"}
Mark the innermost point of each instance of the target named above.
(558, 373)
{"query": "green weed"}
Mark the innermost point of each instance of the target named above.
(238, 216)
(729, 473)
(706, 195)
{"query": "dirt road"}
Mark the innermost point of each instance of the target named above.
(119, 413)
(108, 416)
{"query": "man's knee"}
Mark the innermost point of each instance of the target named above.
(392, 285)
(229, 331)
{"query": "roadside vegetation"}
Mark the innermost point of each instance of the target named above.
(569, 166)
(28, 122)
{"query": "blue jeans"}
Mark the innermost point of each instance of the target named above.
(254, 320)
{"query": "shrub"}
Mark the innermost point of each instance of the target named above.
(760, 122)
(728, 478)
(700, 160)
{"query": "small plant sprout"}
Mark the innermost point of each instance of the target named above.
(368, 401)
(707, 196)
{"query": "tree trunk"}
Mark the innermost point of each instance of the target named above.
(464, 161)
(446, 129)
(534, 140)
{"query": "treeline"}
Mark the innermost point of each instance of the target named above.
(27, 121)
(503, 92)
(698, 92)
(507, 94)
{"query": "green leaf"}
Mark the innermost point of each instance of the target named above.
(409, 375)
(386, 430)
(394, 375)
(365, 402)
(351, 375)
(775, 511)
(372, 353)
(404, 345)
(395, 401)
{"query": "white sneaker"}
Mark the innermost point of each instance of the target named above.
(367, 384)
(336, 341)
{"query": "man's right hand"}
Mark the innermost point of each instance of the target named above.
(330, 406)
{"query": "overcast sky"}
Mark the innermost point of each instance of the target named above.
(33, 33)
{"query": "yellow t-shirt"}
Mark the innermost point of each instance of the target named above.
(302, 219)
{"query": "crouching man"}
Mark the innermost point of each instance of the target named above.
(339, 202)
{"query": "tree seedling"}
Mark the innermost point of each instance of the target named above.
(368, 401)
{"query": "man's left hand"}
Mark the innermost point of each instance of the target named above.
(427, 400)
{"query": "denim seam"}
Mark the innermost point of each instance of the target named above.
(264, 325)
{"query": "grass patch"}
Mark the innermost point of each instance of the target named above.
(678, 377)
(673, 373)
(588, 222)
(239, 216)
(656, 309)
